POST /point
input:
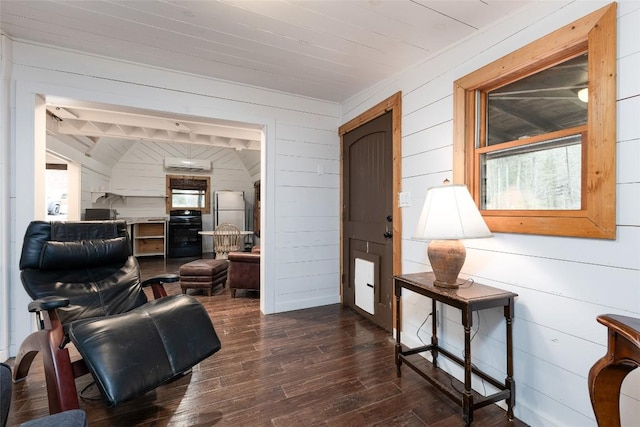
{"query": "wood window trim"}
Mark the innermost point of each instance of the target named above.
(596, 34)
(207, 197)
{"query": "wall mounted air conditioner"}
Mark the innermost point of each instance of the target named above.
(193, 165)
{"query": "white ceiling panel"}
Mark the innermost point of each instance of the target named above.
(326, 49)
(476, 14)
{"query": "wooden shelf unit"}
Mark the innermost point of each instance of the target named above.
(149, 238)
(110, 197)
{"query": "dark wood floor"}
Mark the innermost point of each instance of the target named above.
(324, 366)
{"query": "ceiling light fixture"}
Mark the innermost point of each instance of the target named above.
(583, 94)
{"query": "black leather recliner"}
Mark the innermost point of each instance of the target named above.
(86, 288)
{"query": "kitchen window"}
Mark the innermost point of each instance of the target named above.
(188, 192)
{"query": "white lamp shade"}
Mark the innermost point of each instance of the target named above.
(450, 213)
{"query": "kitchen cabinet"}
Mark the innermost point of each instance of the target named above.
(149, 238)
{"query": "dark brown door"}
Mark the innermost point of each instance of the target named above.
(367, 220)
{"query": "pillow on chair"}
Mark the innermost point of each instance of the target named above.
(83, 253)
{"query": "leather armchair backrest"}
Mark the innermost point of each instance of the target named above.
(88, 262)
(40, 232)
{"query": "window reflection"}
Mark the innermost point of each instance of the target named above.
(543, 102)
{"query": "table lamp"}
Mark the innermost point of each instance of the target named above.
(449, 214)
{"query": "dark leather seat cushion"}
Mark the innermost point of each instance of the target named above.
(71, 418)
(5, 393)
(121, 366)
(110, 289)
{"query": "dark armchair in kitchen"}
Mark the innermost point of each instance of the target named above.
(86, 289)
(244, 271)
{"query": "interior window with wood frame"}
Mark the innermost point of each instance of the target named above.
(189, 192)
(535, 133)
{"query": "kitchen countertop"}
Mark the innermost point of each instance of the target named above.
(136, 220)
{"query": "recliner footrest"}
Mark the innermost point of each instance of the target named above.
(132, 353)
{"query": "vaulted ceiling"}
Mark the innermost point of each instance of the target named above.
(106, 132)
(325, 49)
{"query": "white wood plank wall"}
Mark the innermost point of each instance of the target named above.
(308, 228)
(141, 169)
(300, 236)
(5, 204)
(562, 283)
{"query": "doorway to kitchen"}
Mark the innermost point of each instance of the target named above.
(144, 171)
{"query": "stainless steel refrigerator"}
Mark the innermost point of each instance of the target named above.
(230, 208)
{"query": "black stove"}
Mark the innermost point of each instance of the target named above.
(185, 215)
(184, 239)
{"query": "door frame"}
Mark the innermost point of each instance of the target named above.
(393, 104)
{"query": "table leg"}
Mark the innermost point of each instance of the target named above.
(434, 334)
(467, 397)
(398, 327)
(509, 382)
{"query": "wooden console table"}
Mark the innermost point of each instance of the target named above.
(468, 299)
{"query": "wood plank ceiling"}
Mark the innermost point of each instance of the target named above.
(325, 49)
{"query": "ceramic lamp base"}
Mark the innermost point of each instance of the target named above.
(446, 258)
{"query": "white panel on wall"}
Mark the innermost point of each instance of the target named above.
(364, 282)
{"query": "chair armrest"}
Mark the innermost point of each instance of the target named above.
(157, 282)
(48, 303)
(244, 257)
(161, 278)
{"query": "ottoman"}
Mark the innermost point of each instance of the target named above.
(203, 274)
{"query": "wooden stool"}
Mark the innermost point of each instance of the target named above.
(203, 274)
(607, 374)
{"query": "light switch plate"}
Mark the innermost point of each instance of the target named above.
(404, 199)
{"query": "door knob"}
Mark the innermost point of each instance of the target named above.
(388, 233)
